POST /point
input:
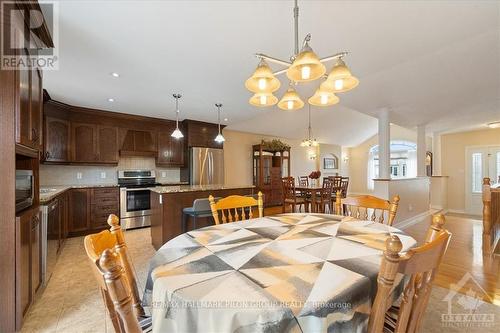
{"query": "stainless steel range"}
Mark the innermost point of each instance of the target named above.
(135, 197)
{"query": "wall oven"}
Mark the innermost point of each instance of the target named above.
(24, 189)
(135, 197)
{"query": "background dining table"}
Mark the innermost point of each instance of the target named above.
(290, 272)
(313, 190)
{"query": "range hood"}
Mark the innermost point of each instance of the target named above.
(138, 143)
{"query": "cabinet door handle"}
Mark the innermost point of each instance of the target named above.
(34, 135)
(47, 155)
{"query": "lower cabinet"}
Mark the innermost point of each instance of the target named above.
(28, 260)
(89, 209)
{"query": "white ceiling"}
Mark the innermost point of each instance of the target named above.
(429, 62)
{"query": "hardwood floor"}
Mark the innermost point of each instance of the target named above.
(464, 259)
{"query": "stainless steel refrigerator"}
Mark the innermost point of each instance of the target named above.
(207, 166)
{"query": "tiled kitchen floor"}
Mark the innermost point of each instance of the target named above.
(72, 302)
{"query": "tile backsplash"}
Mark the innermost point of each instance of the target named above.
(82, 174)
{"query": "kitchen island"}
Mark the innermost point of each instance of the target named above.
(167, 203)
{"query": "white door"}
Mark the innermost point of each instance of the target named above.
(481, 162)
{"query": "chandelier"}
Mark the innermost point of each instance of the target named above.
(309, 142)
(304, 66)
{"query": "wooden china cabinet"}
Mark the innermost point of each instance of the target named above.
(269, 166)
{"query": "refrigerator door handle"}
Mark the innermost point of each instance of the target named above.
(211, 163)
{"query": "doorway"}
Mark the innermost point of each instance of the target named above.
(481, 162)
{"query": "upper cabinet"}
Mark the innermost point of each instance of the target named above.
(201, 134)
(29, 109)
(170, 150)
(57, 140)
(107, 144)
(84, 143)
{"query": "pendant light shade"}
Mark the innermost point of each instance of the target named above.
(340, 78)
(177, 134)
(290, 100)
(263, 99)
(306, 66)
(263, 79)
(219, 138)
(323, 96)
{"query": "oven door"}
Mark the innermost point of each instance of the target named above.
(135, 202)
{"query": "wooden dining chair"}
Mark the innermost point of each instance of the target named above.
(291, 197)
(420, 265)
(303, 180)
(234, 207)
(324, 198)
(367, 207)
(120, 295)
(95, 245)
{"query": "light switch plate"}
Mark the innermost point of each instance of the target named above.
(103, 175)
(78, 175)
(163, 174)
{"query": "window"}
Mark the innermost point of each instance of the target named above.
(477, 173)
(403, 161)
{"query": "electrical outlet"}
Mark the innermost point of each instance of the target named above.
(103, 175)
(410, 207)
(78, 175)
(163, 174)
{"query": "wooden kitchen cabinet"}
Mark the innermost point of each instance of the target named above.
(57, 140)
(201, 134)
(84, 143)
(104, 201)
(36, 109)
(107, 144)
(171, 151)
(28, 258)
(79, 211)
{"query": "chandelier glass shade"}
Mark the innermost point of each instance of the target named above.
(291, 100)
(263, 99)
(177, 134)
(306, 66)
(323, 96)
(340, 78)
(263, 79)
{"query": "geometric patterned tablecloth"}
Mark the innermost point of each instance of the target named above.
(285, 273)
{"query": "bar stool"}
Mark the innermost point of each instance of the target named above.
(201, 208)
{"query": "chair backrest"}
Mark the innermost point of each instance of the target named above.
(119, 291)
(367, 207)
(202, 205)
(337, 182)
(420, 265)
(288, 185)
(234, 207)
(95, 245)
(303, 181)
(344, 184)
(328, 187)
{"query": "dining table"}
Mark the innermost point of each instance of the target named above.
(285, 273)
(313, 191)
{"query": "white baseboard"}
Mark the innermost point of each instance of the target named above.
(457, 211)
(412, 220)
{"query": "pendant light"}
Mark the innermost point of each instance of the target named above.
(340, 78)
(177, 132)
(306, 66)
(219, 138)
(263, 99)
(309, 142)
(323, 96)
(291, 100)
(263, 79)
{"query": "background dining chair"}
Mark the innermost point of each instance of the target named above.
(95, 245)
(236, 207)
(291, 197)
(200, 208)
(419, 265)
(303, 180)
(120, 294)
(324, 198)
(367, 207)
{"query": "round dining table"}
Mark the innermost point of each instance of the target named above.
(283, 273)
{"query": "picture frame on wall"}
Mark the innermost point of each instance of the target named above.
(330, 163)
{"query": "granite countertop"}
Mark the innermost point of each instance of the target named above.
(47, 193)
(194, 188)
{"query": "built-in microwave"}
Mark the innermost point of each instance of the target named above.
(24, 189)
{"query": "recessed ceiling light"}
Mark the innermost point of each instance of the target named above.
(114, 74)
(495, 124)
(111, 100)
(225, 119)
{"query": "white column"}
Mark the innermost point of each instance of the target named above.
(421, 151)
(384, 144)
(436, 154)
